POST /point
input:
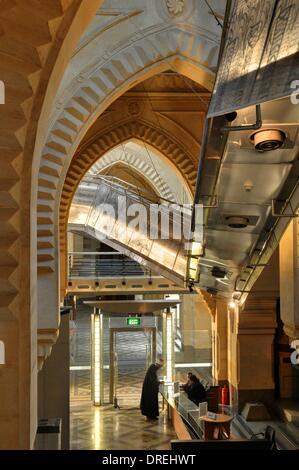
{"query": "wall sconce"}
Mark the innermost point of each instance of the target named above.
(232, 304)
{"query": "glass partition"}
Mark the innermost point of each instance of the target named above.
(188, 410)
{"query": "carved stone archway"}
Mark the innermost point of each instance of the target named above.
(167, 46)
(170, 47)
(138, 165)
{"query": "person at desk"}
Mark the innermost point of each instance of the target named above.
(187, 385)
(149, 405)
(196, 391)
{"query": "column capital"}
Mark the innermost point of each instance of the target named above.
(210, 301)
(291, 330)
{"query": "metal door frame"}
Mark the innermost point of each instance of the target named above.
(112, 336)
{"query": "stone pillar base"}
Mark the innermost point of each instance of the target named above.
(255, 411)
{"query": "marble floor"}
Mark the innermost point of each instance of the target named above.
(109, 428)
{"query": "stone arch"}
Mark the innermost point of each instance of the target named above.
(140, 167)
(171, 47)
(98, 147)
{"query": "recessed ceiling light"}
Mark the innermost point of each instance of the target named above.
(235, 221)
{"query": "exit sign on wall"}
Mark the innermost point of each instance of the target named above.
(133, 321)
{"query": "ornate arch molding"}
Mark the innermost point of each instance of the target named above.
(191, 54)
(106, 141)
(140, 166)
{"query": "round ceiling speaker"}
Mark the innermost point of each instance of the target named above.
(267, 140)
(235, 221)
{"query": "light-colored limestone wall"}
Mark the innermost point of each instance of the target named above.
(233, 365)
(31, 45)
(289, 279)
(250, 351)
(54, 383)
(196, 323)
(220, 341)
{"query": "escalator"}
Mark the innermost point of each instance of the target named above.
(105, 208)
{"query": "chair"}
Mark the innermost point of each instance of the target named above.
(268, 435)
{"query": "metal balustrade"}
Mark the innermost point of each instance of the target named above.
(98, 265)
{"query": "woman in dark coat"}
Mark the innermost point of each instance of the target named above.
(149, 398)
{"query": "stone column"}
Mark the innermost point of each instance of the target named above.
(54, 383)
(289, 280)
(250, 352)
(18, 379)
(219, 335)
(196, 321)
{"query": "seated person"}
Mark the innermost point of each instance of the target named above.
(186, 386)
(196, 391)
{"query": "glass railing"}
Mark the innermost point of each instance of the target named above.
(189, 411)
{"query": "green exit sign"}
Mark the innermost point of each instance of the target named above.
(133, 321)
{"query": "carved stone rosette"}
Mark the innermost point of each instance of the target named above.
(175, 7)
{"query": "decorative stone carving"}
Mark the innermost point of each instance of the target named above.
(134, 108)
(175, 7)
(175, 10)
(46, 338)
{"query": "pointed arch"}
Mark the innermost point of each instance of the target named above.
(98, 147)
(188, 52)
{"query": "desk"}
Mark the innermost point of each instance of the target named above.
(218, 428)
(183, 413)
